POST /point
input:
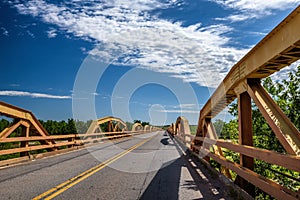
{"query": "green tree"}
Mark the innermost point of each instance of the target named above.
(129, 125)
(145, 123)
(59, 127)
(219, 124)
(104, 127)
(71, 127)
(82, 126)
(137, 121)
(287, 95)
(3, 124)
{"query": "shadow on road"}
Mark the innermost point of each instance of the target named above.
(165, 141)
(168, 184)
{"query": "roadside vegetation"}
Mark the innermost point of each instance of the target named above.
(287, 95)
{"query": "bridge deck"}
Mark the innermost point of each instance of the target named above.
(154, 167)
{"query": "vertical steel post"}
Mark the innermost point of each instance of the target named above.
(245, 138)
(204, 144)
(25, 133)
(110, 126)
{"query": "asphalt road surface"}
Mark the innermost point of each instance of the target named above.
(148, 166)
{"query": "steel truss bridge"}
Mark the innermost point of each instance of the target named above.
(69, 171)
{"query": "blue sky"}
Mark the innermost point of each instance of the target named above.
(154, 45)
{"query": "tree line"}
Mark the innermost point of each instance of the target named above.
(63, 127)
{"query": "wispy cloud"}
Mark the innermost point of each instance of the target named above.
(52, 33)
(284, 73)
(186, 106)
(30, 33)
(32, 94)
(14, 85)
(250, 9)
(195, 53)
(179, 111)
(4, 31)
(258, 5)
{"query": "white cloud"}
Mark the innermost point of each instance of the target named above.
(179, 111)
(239, 17)
(249, 9)
(33, 95)
(284, 73)
(14, 85)
(52, 33)
(194, 53)
(84, 50)
(95, 94)
(4, 31)
(258, 5)
(186, 106)
(30, 34)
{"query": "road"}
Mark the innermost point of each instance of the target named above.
(147, 166)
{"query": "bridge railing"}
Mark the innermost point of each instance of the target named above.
(35, 143)
(33, 139)
(278, 49)
(213, 148)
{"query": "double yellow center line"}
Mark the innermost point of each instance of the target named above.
(53, 192)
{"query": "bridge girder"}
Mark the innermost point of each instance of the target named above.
(280, 48)
(112, 127)
(182, 126)
(137, 127)
(26, 120)
(147, 128)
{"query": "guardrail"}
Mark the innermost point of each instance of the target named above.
(278, 49)
(288, 161)
(33, 138)
(35, 143)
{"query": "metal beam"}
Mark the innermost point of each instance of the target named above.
(284, 129)
(109, 118)
(26, 119)
(19, 113)
(245, 138)
(94, 127)
(137, 125)
(278, 49)
(212, 134)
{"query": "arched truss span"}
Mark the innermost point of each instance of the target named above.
(137, 127)
(182, 126)
(24, 119)
(114, 125)
(147, 128)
